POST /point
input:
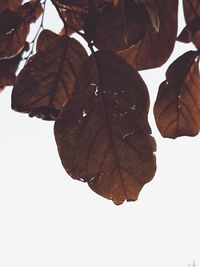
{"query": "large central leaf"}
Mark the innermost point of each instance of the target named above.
(103, 135)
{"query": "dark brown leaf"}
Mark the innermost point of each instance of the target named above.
(15, 28)
(30, 11)
(155, 47)
(45, 84)
(46, 39)
(12, 43)
(103, 135)
(191, 33)
(73, 5)
(177, 108)
(74, 20)
(9, 4)
(9, 21)
(191, 10)
(121, 26)
(8, 68)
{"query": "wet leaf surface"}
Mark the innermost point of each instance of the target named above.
(103, 135)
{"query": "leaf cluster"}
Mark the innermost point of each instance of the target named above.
(99, 102)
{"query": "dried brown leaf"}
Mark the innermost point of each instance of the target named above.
(177, 108)
(103, 135)
(45, 84)
(155, 47)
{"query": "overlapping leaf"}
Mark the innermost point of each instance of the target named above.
(8, 68)
(177, 108)
(121, 26)
(191, 10)
(74, 20)
(13, 40)
(15, 28)
(75, 5)
(45, 40)
(155, 47)
(47, 81)
(103, 135)
(191, 33)
(9, 4)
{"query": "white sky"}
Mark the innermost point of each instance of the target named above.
(48, 219)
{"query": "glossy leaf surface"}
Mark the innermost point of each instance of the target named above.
(177, 108)
(103, 135)
(155, 47)
(47, 81)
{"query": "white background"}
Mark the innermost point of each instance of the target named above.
(48, 219)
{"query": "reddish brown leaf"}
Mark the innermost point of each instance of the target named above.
(46, 39)
(177, 108)
(15, 27)
(74, 21)
(9, 21)
(47, 81)
(8, 68)
(121, 26)
(73, 5)
(30, 11)
(9, 4)
(155, 48)
(103, 135)
(12, 43)
(191, 10)
(191, 33)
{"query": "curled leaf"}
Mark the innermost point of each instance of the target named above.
(45, 84)
(103, 135)
(177, 107)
